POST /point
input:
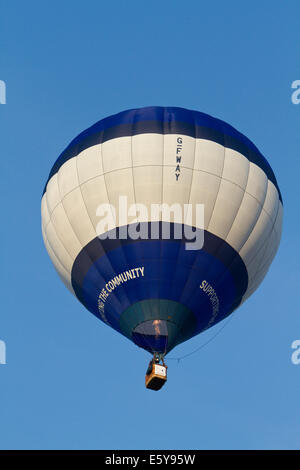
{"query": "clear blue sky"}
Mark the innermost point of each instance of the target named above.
(71, 382)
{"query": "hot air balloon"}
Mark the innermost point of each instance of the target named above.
(135, 273)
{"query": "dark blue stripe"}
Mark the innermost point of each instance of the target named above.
(214, 245)
(169, 120)
(171, 272)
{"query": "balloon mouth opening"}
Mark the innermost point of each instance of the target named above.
(158, 325)
(151, 335)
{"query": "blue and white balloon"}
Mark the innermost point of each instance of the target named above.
(154, 290)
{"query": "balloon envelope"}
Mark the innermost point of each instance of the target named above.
(135, 273)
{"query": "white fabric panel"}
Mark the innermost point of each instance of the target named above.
(147, 187)
(204, 190)
(52, 194)
(254, 264)
(259, 265)
(64, 275)
(266, 255)
(226, 208)
(59, 237)
(60, 251)
(116, 154)
(244, 222)
(257, 184)
(236, 168)
(209, 157)
(67, 177)
(257, 238)
(89, 163)
(263, 226)
(78, 217)
(147, 149)
(119, 183)
(271, 201)
(278, 223)
(185, 150)
(273, 243)
(44, 211)
(148, 184)
(64, 232)
(176, 192)
(94, 194)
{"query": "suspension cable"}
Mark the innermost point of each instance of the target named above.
(178, 359)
